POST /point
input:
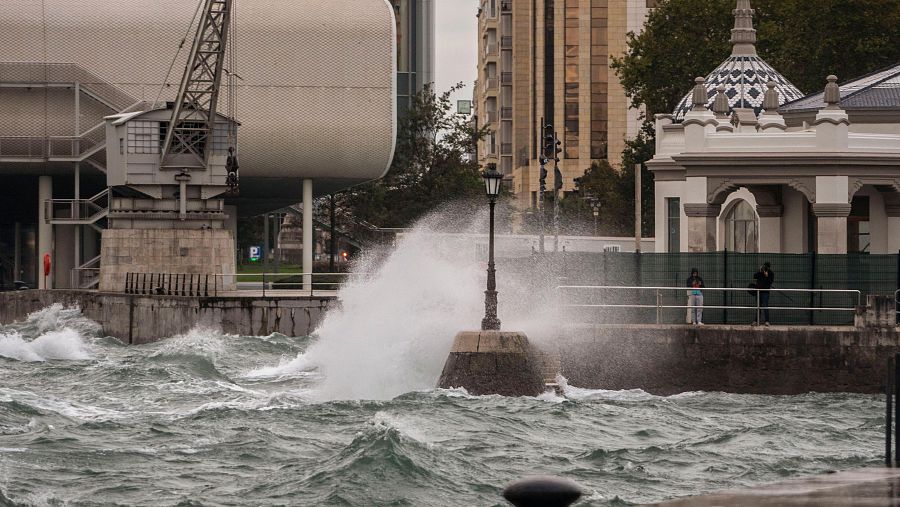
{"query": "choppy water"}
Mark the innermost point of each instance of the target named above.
(207, 419)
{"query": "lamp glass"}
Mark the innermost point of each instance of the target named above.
(492, 179)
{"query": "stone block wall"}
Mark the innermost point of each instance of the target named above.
(144, 319)
(192, 251)
(782, 360)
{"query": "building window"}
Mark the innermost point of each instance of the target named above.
(742, 228)
(673, 224)
(859, 238)
(572, 81)
(599, 79)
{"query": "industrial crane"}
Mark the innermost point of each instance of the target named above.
(190, 130)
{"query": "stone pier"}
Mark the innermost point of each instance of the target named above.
(492, 362)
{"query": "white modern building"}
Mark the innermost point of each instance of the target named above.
(313, 85)
(746, 163)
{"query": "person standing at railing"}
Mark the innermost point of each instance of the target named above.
(764, 279)
(695, 297)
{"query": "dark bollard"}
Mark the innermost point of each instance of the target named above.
(542, 491)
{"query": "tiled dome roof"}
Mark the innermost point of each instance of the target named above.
(744, 74)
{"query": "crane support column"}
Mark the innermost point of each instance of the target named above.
(307, 234)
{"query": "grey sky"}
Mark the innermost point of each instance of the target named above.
(457, 45)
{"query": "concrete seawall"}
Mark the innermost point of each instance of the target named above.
(670, 359)
(143, 319)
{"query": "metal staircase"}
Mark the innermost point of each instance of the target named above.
(87, 276)
(88, 212)
(87, 146)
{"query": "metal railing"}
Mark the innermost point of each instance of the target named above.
(214, 285)
(85, 278)
(85, 211)
(593, 297)
(27, 73)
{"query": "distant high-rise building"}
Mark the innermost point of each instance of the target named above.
(550, 58)
(415, 49)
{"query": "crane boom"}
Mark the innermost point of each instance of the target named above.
(194, 113)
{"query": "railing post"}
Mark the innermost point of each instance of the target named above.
(264, 283)
(888, 395)
(896, 407)
(658, 301)
(758, 323)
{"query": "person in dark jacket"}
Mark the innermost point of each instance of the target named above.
(763, 279)
(695, 296)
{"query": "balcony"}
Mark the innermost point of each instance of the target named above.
(506, 5)
(506, 113)
(490, 117)
(490, 50)
(506, 78)
(506, 42)
(491, 84)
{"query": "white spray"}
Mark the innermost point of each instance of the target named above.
(397, 320)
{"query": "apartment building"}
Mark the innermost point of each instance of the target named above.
(550, 59)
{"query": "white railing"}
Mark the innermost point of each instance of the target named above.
(595, 297)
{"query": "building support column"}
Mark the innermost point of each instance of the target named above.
(831, 220)
(45, 231)
(307, 234)
(892, 208)
(832, 207)
(17, 251)
(770, 228)
(702, 226)
(78, 227)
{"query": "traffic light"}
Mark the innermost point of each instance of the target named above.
(557, 179)
(557, 147)
(543, 177)
(549, 138)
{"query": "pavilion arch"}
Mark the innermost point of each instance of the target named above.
(740, 226)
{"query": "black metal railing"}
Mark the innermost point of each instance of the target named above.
(171, 284)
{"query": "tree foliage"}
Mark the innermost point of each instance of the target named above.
(804, 40)
(431, 165)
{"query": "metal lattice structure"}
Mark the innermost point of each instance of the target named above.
(194, 112)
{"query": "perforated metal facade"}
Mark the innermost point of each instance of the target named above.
(317, 99)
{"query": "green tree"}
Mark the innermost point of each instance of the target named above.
(431, 165)
(804, 40)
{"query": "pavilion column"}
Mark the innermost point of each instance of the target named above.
(770, 218)
(702, 226)
(831, 209)
(831, 220)
(893, 216)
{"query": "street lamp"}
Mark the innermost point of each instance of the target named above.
(595, 207)
(492, 179)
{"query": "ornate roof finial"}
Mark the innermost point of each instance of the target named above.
(743, 36)
(720, 106)
(832, 93)
(700, 94)
(770, 101)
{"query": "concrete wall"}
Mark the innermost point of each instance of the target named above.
(145, 319)
(666, 360)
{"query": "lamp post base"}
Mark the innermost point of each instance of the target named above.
(492, 362)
